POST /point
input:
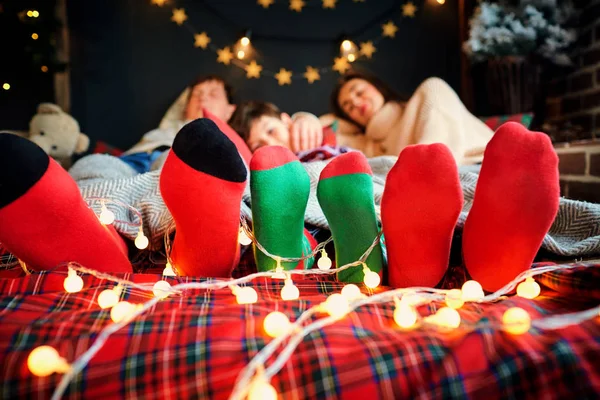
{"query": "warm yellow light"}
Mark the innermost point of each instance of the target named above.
(279, 274)
(324, 262)
(107, 217)
(161, 289)
(35, 14)
(30, 13)
(454, 299)
(346, 45)
(141, 241)
(109, 297)
(516, 321)
(262, 390)
(528, 289)
(289, 291)
(336, 305)
(246, 295)
(441, 1)
(6, 86)
(73, 282)
(351, 291)
(413, 299)
(243, 238)
(372, 279)
(245, 41)
(44, 68)
(404, 315)
(241, 54)
(45, 360)
(34, 36)
(276, 324)
(168, 270)
(472, 290)
(121, 311)
(445, 317)
(351, 57)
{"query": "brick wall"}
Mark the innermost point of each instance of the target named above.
(579, 165)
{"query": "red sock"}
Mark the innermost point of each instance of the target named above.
(44, 221)
(420, 206)
(515, 203)
(202, 183)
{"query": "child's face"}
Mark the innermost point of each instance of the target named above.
(360, 100)
(212, 96)
(270, 131)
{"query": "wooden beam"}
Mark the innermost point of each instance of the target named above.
(62, 80)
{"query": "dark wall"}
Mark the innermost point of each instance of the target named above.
(129, 61)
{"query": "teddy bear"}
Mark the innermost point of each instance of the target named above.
(57, 133)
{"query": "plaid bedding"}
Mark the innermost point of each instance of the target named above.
(195, 345)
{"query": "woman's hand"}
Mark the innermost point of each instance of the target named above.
(306, 132)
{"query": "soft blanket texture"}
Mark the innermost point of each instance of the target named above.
(575, 232)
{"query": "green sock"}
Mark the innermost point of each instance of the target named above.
(279, 187)
(345, 193)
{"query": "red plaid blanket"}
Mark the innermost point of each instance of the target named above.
(195, 345)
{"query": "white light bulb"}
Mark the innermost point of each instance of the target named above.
(73, 282)
(324, 262)
(351, 57)
(413, 299)
(445, 317)
(289, 291)
(528, 289)
(372, 279)
(241, 54)
(351, 291)
(405, 316)
(107, 217)
(454, 299)
(45, 360)
(276, 324)
(123, 310)
(243, 239)
(336, 305)
(516, 321)
(472, 290)
(246, 295)
(168, 270)
(141, 241)
(108, 298)
(245, 41)
(346, 45)
(262, 390)
(161, 289)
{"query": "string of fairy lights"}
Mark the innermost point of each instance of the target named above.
(242, 54)
(254, 380)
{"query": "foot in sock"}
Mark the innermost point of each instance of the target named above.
(515, 203)
(419, 209)
(202, 182)
(345, 193)
(44, 221)
(279, 187)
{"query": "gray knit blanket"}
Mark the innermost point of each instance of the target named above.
(575, 231)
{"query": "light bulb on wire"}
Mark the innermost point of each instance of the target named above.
(349, 50)
(161, 289)
(168, 270)
(141, 241)
(243, 47)
(289, 290)
(107, 217)
(73, 282)
(516, 321)
(371, 279)
(528, 289)
(276, 324)
(324, 262)
(109, 297)
(243, 237)
(241, 54)
(404, 315)
(45, 360)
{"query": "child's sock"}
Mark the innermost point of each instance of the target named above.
(345, 193)
(202, 182)
(280, 187)
(515, 203)
(419, 209)
(44, 221)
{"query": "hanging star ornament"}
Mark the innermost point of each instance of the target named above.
(179, 16)
(265, 3)
(341, 64)
(367, 49)
(297, 5)
(202, 40)
(224, 55)
(312, 74)
(284, 77)
(389, 29)
(159, 3)
(409, 9)
(253, 70)
(329, 3)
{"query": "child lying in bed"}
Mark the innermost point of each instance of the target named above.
(45, 221)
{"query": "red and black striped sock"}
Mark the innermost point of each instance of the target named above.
(44, 221)
(202, 182)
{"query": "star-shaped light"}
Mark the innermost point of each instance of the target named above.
(341, 64)
(253, 70)
(367, 49)
(297, 5)
(179, 16)
(159, 3)
(312, 74)
(409, 9)
(329, 3)
(265, 3)
(284, 77)
(389, 29)
(202, 40)
(224, 55)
